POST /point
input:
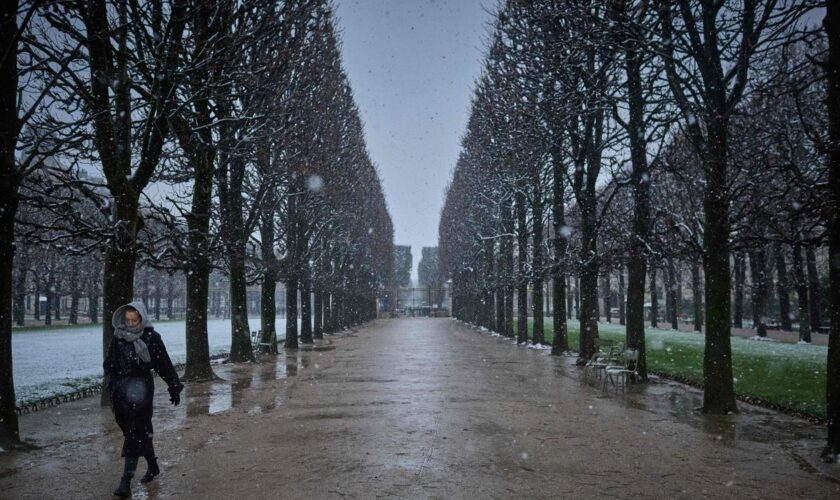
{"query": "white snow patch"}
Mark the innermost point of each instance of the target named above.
(763, 339)
(781, 351)
(540, 347)
(58, 361)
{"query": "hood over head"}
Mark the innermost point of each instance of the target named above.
(118, 319)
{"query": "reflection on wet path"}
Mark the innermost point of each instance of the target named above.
(681, 403)
(239, 384)
(83, 429)
(670, 401)
(663, 408)
(253, 387)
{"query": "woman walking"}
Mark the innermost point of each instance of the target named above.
(134, 351)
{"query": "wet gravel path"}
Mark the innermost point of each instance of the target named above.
(427, 408)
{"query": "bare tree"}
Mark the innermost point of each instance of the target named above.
(708, 49)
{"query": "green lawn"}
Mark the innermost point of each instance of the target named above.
(789, 375)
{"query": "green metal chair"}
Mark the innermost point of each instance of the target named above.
(624, 368)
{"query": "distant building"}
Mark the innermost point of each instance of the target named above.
(402, 265)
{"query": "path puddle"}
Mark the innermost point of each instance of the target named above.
(242, 382)
(683, 404)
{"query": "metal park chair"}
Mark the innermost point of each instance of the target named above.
(256, 340)
(606, 354)
(623, 369)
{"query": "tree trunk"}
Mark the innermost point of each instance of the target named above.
(120, 262)
(36, 309)
(802, 295)
(57, 291)
(317, 320)
(654, 299)
(268, 289)
(306, 310)
(640, 177)
(522, 262)
(198, 267)
(487, 302)
(19, 306)
(500, 293)
(158, 299)
(507, 271)
(813, 289)
(697, 295)
(588, 281)
(93, 300)
(740, 277)
(718, 386)
(606, 293)
(758, 274)
(622, 320)
(291, 313)
(268, 311)
(570, 298)
(560, 242)
(240, 342)
(144, 288)
(216, 304)
(50, 293)
(538, 306)
(198, 252)
(19, 288)
(170, 295)
(329, 313)
(75, 294)
(782, 289)
(9, 431)
(198, 366)
(340, 310)
(9, 181)
(671, 294)
(832, 65)
(577, 297)
(635, 316)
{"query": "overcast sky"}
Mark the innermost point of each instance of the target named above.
(412, 65)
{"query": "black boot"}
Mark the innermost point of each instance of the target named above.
(152, 471)
(124, 489)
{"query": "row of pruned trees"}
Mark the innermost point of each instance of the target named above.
(49, 284)
(637, 134)
(774, 286)
(227, 137)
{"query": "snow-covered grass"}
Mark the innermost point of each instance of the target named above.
(790, 375)
(63, 326)
(62, 360)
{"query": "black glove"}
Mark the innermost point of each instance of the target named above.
(175, 394)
